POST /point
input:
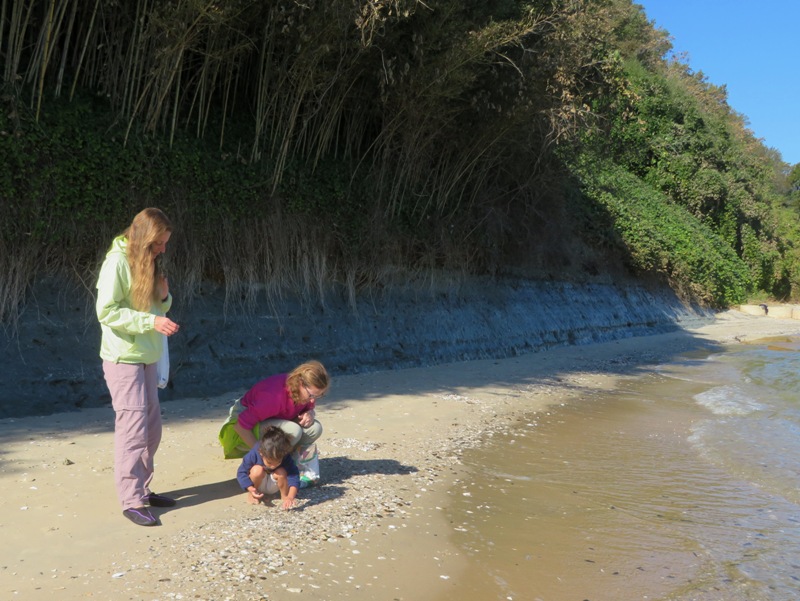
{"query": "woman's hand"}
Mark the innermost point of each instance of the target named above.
(166, 326)
(306, 419)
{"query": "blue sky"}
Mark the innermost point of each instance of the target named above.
(752, 48)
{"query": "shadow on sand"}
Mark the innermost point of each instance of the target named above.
(335, 472)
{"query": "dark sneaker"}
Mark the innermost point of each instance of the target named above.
(155, 500)
(140, 516)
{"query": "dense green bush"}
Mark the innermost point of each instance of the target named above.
(661, 237)
(676, 133)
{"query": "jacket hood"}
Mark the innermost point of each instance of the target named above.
(119, 245)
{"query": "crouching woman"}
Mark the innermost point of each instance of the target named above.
(287, 401)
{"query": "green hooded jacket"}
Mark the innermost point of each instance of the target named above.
(128, 335)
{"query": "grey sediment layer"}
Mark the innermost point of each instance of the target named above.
(50, 361)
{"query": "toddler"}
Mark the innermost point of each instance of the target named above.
(268, 468)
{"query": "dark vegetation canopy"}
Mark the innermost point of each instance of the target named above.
(304, 145)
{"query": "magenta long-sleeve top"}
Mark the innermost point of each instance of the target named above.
(270, 399)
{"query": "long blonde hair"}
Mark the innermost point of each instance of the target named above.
(145, 229)
(311, 373)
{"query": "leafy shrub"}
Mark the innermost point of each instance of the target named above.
(664, 238)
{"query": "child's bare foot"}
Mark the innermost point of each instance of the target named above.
(253, 500)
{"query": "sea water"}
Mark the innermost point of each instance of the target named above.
(683, 484)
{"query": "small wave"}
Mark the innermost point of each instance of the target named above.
(727, 400)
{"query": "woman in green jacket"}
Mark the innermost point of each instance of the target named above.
(132, 299)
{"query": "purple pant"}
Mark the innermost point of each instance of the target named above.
(137, 429)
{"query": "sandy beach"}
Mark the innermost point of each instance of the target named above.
(374, 529)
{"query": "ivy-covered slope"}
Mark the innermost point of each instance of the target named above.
(303, 146)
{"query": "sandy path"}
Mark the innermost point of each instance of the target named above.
(374, 530)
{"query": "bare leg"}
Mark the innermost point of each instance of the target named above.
(287, 492)
(283, 484)
(257, 475)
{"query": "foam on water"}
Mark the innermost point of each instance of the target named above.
(728, 400)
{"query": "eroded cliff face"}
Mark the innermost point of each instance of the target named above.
(50, 364)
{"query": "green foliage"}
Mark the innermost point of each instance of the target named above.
(69, 178)
(327, 200)
(664, 238)
(793, 184)
(331, 141)
(675, 131)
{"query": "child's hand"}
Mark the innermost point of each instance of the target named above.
(253, 496)
(289, 503)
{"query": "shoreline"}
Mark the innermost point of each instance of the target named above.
(390, 451)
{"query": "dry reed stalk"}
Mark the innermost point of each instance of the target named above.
(323, 122)
(3, 7)
(175, 107)
(84, 49)
(202, 90)
(16, 38)
(48, 31)
(220, 54)
(225, 104)
(261, 94)
(135, 64)
(16, 272)
(65, 51)
(289, 123)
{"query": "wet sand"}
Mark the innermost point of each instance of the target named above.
(375, 528)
